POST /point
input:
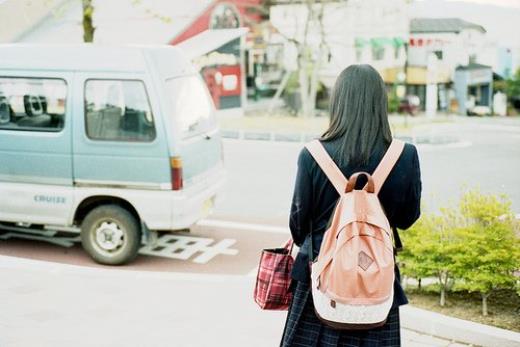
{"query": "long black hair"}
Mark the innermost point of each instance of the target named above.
(358, 115)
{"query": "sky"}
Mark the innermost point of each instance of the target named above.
(499, 17)
(502, 3)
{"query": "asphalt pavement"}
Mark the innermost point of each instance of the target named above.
(195, 288)
(486, 156)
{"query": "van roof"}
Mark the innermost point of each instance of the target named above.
(169, 60)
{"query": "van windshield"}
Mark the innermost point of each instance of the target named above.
(193, 109)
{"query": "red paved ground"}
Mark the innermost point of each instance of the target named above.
(248, 243)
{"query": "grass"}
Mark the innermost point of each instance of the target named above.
(503, 306)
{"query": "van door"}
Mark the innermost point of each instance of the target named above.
(119, 142)
(194, 123)
(35, 147)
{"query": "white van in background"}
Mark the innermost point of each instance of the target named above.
(108, 142)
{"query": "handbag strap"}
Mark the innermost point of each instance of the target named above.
(289, 245)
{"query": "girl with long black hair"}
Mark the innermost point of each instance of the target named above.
(357, 138)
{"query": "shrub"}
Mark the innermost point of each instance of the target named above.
(476, 243)
(486, 247)
(427, 251)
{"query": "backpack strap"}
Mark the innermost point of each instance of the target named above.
(387, 164)
(328, 166)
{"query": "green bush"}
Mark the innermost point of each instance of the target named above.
(476, 244)
(428, 251)
(393, 101)
(487, 247)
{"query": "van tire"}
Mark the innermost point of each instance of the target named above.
(111, 235)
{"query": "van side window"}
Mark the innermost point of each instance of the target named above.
(32, 104)
(192, 105)
(118, 110)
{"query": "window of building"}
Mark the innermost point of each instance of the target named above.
(32, 104)
(359, 54)
(397, 52)
(118, 110)
(224, 16)
(378, 52)
(438, 54)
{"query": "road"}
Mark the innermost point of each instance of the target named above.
(197, 291)
(262, 174)
(204, 250)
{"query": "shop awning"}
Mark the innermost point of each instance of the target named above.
(210, 40)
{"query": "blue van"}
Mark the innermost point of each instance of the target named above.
(113, 143)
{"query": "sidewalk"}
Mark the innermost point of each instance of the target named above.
(47, 304)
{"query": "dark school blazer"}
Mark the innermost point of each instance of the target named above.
(314, 200)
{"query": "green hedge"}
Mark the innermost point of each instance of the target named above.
(475, 245)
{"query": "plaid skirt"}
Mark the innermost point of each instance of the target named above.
(304, 329)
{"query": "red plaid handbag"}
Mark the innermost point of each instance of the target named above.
(274, 278)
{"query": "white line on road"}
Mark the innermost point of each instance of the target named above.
(432, 147)
(243, 226)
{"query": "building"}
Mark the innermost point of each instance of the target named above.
(355, 32)
(501, 48)
(473, 87)
(212, 31)
(441, 52)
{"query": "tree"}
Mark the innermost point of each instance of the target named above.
(476, 243)
(88, 18)
(414, 255)
(488, 249)
(88, 26)
(310, 52)
(513, 86)
(428, 250)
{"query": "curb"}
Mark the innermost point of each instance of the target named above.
(267, 136)
(455, 329)
(426, 141)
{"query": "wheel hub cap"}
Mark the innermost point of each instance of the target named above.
(109, 236)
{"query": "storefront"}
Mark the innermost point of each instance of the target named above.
(216, 42)
(217, 55)
(473, 87)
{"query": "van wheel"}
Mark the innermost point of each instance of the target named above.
(111, 235)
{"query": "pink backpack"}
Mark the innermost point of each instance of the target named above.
(353, 276)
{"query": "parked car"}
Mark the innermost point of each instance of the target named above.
(409, 104)
(113, 143)
(479, 111)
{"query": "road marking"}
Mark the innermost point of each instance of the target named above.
(184, 247)
(432, 147)
(168, 246)
(243, 226)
